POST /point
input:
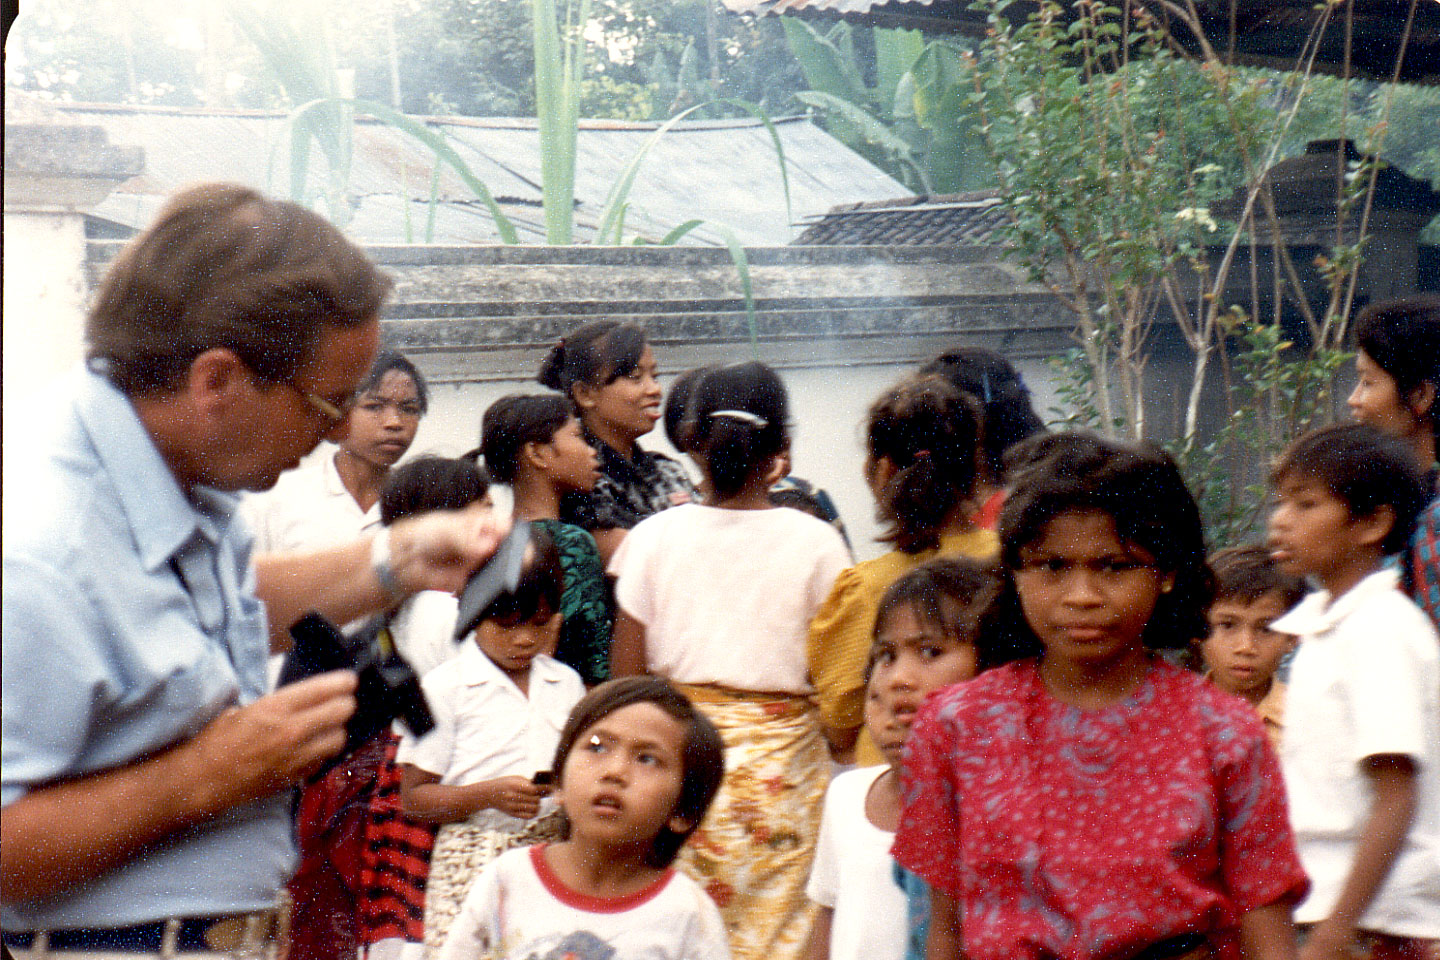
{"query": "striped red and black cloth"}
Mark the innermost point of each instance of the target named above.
(395, 863)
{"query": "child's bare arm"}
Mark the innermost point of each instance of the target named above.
(943, 941)
(1268, 933)
(627, 649)
(819, 946)
(424, 797)
(1392, 778)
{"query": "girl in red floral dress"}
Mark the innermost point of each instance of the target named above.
(1088, 800)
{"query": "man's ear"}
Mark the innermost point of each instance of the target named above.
(1375, 526)
(215, 378)
(679, 824)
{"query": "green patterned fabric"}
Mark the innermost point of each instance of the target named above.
(586, 605)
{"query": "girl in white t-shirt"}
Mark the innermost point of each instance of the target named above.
(718, 599)
(499, 706)
(926, 637)
(637, 767)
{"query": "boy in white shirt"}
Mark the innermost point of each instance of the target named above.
(1361, 751)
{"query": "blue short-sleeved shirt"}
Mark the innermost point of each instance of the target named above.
(130, 621)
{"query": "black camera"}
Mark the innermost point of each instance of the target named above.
(388, 686)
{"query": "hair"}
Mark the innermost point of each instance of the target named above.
(679, 418)
(702, 757)
(597, 354)
(1245, 574)
(930, 432)
(1363, 468)
(951, 594)
(1403, 338)
(430, 483)
(387, 360)
(741, 423)
(542, 581)
(1007, 416)
(515, 420)
(1140, 488)
(225, 267)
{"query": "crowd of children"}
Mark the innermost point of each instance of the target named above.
(1039, 774)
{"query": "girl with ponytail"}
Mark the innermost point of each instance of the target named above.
(717, 598)
(922, 442)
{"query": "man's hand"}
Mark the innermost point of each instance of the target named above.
(61, 835)
(516, 796)
(439, 550)
(256, 750)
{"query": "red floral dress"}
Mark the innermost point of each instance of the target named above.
(1091, 834)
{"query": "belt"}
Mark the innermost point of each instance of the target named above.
(218, 933)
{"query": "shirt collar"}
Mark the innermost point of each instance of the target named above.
(476, 669)
(615, 465)
(334, 486)
(1316, 614)
(161, 518)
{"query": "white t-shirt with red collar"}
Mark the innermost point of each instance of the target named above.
(519, 909)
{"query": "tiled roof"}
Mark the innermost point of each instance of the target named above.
(955, 220)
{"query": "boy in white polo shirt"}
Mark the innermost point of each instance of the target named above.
(1361, 750)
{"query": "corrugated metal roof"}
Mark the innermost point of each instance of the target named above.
(810, 6)
(725, 172)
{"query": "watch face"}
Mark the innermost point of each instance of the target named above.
(499, 574)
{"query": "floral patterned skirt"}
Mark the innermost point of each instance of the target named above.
(753, 852)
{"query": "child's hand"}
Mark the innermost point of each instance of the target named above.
(516, 796)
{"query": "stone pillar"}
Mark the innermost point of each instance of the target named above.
(54, 173)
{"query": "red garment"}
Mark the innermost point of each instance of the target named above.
(330, 828)
(1091, 834)
(395, 863)
(988, 516)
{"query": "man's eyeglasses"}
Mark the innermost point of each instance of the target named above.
(331, 412)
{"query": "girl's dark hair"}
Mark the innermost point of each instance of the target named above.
(430, 483)
(1140, 488)
(1403, 338)
(679, 417)
(541, 583)
(930, 432)
(1006, 414)
(387, 360)
(702, 757)
(1364, 469)
(515, 420)
(741, 422)
(597, 354)
(950, 594)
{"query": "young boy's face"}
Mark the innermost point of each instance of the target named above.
(913, 658)
(514, 648)
(1311, 532)
(1241, 651)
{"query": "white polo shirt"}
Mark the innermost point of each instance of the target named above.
(308, 509)
(1365, 682)
(485, 727)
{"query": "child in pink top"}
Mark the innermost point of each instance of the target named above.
(1088, 800)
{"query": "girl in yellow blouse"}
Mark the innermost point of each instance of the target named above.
(922, 439)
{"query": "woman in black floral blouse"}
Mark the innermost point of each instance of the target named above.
(607, 369)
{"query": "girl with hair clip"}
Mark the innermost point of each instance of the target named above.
(1088, 799)
(534, 445)
(716, 599)
(1006, 417)
(607, 370)
(921, 439)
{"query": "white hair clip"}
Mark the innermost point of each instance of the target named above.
(744, 416)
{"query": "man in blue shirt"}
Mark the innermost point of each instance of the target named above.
(144, 767)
